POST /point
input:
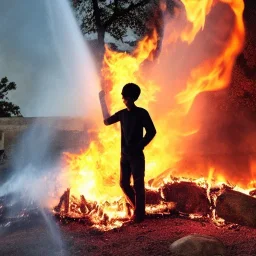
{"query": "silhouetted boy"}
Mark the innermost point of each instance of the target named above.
(133, 119)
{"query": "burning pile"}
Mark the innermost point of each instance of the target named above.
(169, 87)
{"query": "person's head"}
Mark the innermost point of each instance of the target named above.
(130, 93)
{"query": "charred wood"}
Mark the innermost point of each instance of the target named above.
(253, 192)
(85, 207)
(64, 200)
(153, 197)
(189, 197)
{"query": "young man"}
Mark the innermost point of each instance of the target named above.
(133, 119)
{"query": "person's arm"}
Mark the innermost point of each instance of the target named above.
(106, 116)
(112, 119)
(103, 104)
(150, 130)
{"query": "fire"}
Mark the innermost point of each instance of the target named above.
(213, 74)
(196, 13)
(95, 172)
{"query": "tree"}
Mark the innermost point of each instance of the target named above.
(116, 17)
(7, 108)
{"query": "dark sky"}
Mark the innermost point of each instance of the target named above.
(42, 50)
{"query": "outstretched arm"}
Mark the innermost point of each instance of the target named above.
(150, 131)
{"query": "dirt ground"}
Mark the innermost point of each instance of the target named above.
(152, 237)
(36, 236)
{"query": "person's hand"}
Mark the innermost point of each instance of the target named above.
(102, 94)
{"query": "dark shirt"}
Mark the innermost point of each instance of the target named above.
(132, 124)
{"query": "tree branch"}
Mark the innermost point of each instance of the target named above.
(118, 13)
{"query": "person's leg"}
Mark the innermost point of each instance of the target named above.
(125, 180)
(138, 172)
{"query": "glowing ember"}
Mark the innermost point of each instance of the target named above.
(95, 172)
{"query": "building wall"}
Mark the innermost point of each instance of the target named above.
(70, 134)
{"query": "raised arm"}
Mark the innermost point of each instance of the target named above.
(150, 130)
(106, 116)
(103, 105)
(112, 119)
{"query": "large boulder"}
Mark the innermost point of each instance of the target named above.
(197, 245)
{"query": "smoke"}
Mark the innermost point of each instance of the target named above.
(36, 164)
(34, 185)
(44, 52)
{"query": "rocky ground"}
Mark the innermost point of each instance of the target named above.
(151, 237)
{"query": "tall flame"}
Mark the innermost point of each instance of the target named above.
(95, 172)
(196, 13)
(213, 74)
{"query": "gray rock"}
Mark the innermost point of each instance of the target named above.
(236, 207)
(197, 245)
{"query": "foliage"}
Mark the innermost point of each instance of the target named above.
(115, 17)
(7, 108)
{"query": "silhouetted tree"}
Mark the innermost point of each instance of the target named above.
(116, 17)
(7, 108)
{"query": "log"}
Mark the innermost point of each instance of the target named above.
(153, 197)
(64, 199)
(83, 205)
(236, 207)
(188, 196)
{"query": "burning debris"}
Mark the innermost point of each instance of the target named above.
(183, 198)
(64, 199)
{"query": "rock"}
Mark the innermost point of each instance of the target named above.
(236, 207)
(197, 245)
(189, 197)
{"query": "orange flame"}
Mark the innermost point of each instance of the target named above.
(95, 172)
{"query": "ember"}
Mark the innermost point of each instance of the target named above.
(94, 174)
